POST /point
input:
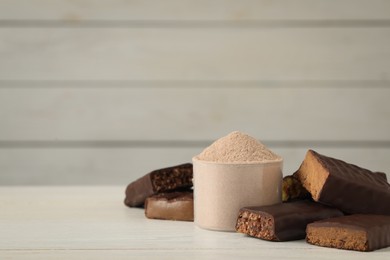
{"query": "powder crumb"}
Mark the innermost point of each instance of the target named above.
(237, 147)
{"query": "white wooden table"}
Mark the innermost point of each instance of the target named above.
(93, 223)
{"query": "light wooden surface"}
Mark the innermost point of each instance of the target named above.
(209, 10)
(93, 223)
(103, 91)
(195, 53)
(110, 166)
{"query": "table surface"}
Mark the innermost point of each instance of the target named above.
(93, 223)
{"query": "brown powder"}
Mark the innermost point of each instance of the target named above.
(237, 147)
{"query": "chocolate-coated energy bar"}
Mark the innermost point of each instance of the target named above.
(354, 232)
(171, 206)
(162, 180)
(284, 221)
(345, 186)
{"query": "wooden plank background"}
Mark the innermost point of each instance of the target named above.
(101, 92)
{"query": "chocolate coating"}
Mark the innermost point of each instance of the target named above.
(282, 222)
(173, 178)
(347, 187)
(354, 232)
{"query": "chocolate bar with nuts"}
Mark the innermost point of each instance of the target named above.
(284, 221)
(173, 178)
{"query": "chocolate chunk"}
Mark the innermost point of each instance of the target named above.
(344, 186)
(292, 189)
(354, 232)
(282, 222)
(170, 206)
(162, 180)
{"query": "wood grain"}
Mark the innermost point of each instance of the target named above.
(95, 87)
(194, 114)
(184, 10)
(196, 54)
(120, 166)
